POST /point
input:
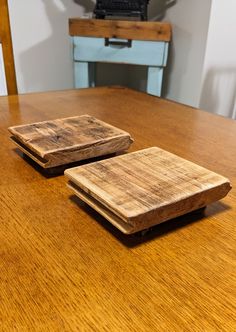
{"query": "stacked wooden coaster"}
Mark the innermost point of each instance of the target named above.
(62, 141)
(141, 189)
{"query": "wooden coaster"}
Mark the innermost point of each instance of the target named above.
(62, 141)
(141, 189)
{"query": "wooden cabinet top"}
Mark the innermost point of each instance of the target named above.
(139, 30)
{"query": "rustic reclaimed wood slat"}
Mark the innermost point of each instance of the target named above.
(62, 141)
(141, 189)
(156, 31)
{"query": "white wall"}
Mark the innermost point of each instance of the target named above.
(3, 86)
(201, 68)
(219, 72)
(189, 19)
(41, 43)
(43, 56)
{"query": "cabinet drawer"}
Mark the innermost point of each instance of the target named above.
(149, 53)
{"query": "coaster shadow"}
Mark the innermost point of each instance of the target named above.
(156, 231)
(59, 170)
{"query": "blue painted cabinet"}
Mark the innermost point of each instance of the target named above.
(88, 50)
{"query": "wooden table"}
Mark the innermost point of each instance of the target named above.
(114, 41)
(65, 268)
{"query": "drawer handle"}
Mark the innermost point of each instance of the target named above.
(127, 43)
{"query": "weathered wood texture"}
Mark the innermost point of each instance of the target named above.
(156, 31)
(65, 268)
(141, 189)
(6, 41)
(62, 141)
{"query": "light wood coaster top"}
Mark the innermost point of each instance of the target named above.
(63, 267)
(145, 188)
(70, 139)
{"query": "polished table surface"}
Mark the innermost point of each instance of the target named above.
(65, 268)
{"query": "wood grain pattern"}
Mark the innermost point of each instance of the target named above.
(62, 141)
(64, 268)
(142, 189)
(156, 31)
(7, 49)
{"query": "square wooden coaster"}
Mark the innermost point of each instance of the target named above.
(62, 141)
(141, 189)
